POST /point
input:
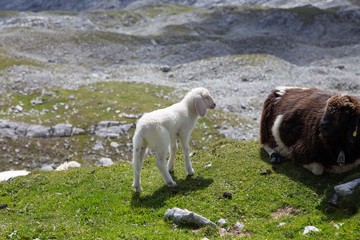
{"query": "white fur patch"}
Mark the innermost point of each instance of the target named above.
(281, 147)
(315, 167)
(282, 89)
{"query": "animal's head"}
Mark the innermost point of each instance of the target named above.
(202, 100)
(341, 117)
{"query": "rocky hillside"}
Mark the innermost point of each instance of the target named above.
(238, 49)
(81, 5)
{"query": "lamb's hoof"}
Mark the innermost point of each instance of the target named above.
(172, 184)
(274, 158)
(137, 188)
(191, 172)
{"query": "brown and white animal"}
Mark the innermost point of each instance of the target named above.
(159, 130)
(315, 128)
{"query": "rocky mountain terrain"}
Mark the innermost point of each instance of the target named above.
(239, 50)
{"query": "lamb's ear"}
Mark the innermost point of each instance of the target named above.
(200, 106)
(353, 130)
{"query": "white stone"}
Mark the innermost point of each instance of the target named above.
(208, 165)
(309, 229)
(337, 226)
(238, 226)
(114, 144)
(68, 165)
(281, 224)
(221, 222)
(106, 161)
(19, 108)
(4, 176)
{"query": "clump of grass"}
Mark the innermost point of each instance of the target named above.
(100, 203)
(7, 61)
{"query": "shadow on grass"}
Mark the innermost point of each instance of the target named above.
(322, 185)
(157, 198)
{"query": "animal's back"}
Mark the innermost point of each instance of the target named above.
(160, 124)
(297, 106)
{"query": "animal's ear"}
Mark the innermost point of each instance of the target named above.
(353, 130)
(200, 106)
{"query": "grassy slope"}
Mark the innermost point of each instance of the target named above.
(87, 106)
(91, 203)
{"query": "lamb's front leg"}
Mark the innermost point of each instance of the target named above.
(186, 150)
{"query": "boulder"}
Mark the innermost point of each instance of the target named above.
(184, 216)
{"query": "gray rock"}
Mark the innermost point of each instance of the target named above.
(98, 146)
(184, 216)
(38, 131)
(61, 130)
(13, 129)
(111, 129)
(36, 101)
(47, 167)
(347, 188)
(221, 222)
(238, 226)
(334, 199)
(106, 161)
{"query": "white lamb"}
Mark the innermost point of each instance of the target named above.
(159, 130)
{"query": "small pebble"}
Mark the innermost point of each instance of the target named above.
(238, 226)
(221, 222)
(309, 229)
(3, 206)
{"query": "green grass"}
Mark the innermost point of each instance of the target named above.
(87, 105)
(6, 62)
(99, 203)
(84, 108)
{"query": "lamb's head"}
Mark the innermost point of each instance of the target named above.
(341, 118)
(201, 99)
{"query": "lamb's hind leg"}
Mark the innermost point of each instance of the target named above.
(171, 162)
(138, 159)
(161, 164)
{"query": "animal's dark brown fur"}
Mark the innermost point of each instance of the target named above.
(304, 111)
